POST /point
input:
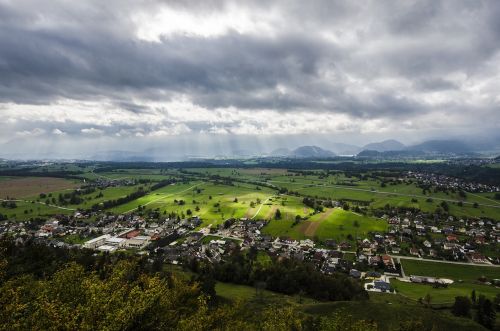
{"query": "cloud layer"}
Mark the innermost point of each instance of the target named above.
(153, 69)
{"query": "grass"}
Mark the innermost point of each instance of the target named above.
(443, 295)
(335, 224)
(335, 186)
(338, 224)
(389, 315)
(465, 277)
(467, 273)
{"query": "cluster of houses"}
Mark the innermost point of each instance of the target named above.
(450, 183)
(420, 235)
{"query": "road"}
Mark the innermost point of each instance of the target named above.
(444, 261)
(383, 192)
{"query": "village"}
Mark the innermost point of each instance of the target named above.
(375, 260)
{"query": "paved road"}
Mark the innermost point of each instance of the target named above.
(444, 261)
(384, 192)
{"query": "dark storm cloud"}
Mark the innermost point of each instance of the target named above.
(368, 60)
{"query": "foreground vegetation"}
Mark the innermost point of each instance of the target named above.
(79, 290)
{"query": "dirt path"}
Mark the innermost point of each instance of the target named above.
(260, 207)
(270, 213)
(311, 227)
(326, 214)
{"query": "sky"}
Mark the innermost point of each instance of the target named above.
(83, 78)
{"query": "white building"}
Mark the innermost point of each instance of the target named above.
(96, 242)
(137, 242)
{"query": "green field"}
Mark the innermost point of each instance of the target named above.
(390, 313)
(443, 295)
(457, 272)
(34, 206)
(333, 223)
(465, 279)
(338, 185)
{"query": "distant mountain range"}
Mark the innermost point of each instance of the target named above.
(384, 149)
(303, 152)
(384, 146)
(387, 148)
(442, 146)
(394, 148)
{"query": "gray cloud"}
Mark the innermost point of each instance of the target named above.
(369, 66)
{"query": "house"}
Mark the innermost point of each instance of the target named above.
(374, 260)
(372, 275)
(388, 262)
(382, 286)
(307, 243)
(414, 251)
(478, 258)
(427, 244)
(355, 273)
(331, 243)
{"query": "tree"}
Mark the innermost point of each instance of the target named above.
(445, 206)
(462, 306)
(485, 313)
(473, 296)
(277, 215)
(235, 200)
(427, 300)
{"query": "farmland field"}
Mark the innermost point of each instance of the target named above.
(28, 186)
(252, 193)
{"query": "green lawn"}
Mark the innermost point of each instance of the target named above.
(335, 224)
(468, 273)
(389, 315)
(443, 295)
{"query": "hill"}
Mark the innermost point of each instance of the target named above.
(442, 146)
(386, 145)
(344, 149)
(390, 154)
(311, 152)
(305, 152)
(281, 152)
